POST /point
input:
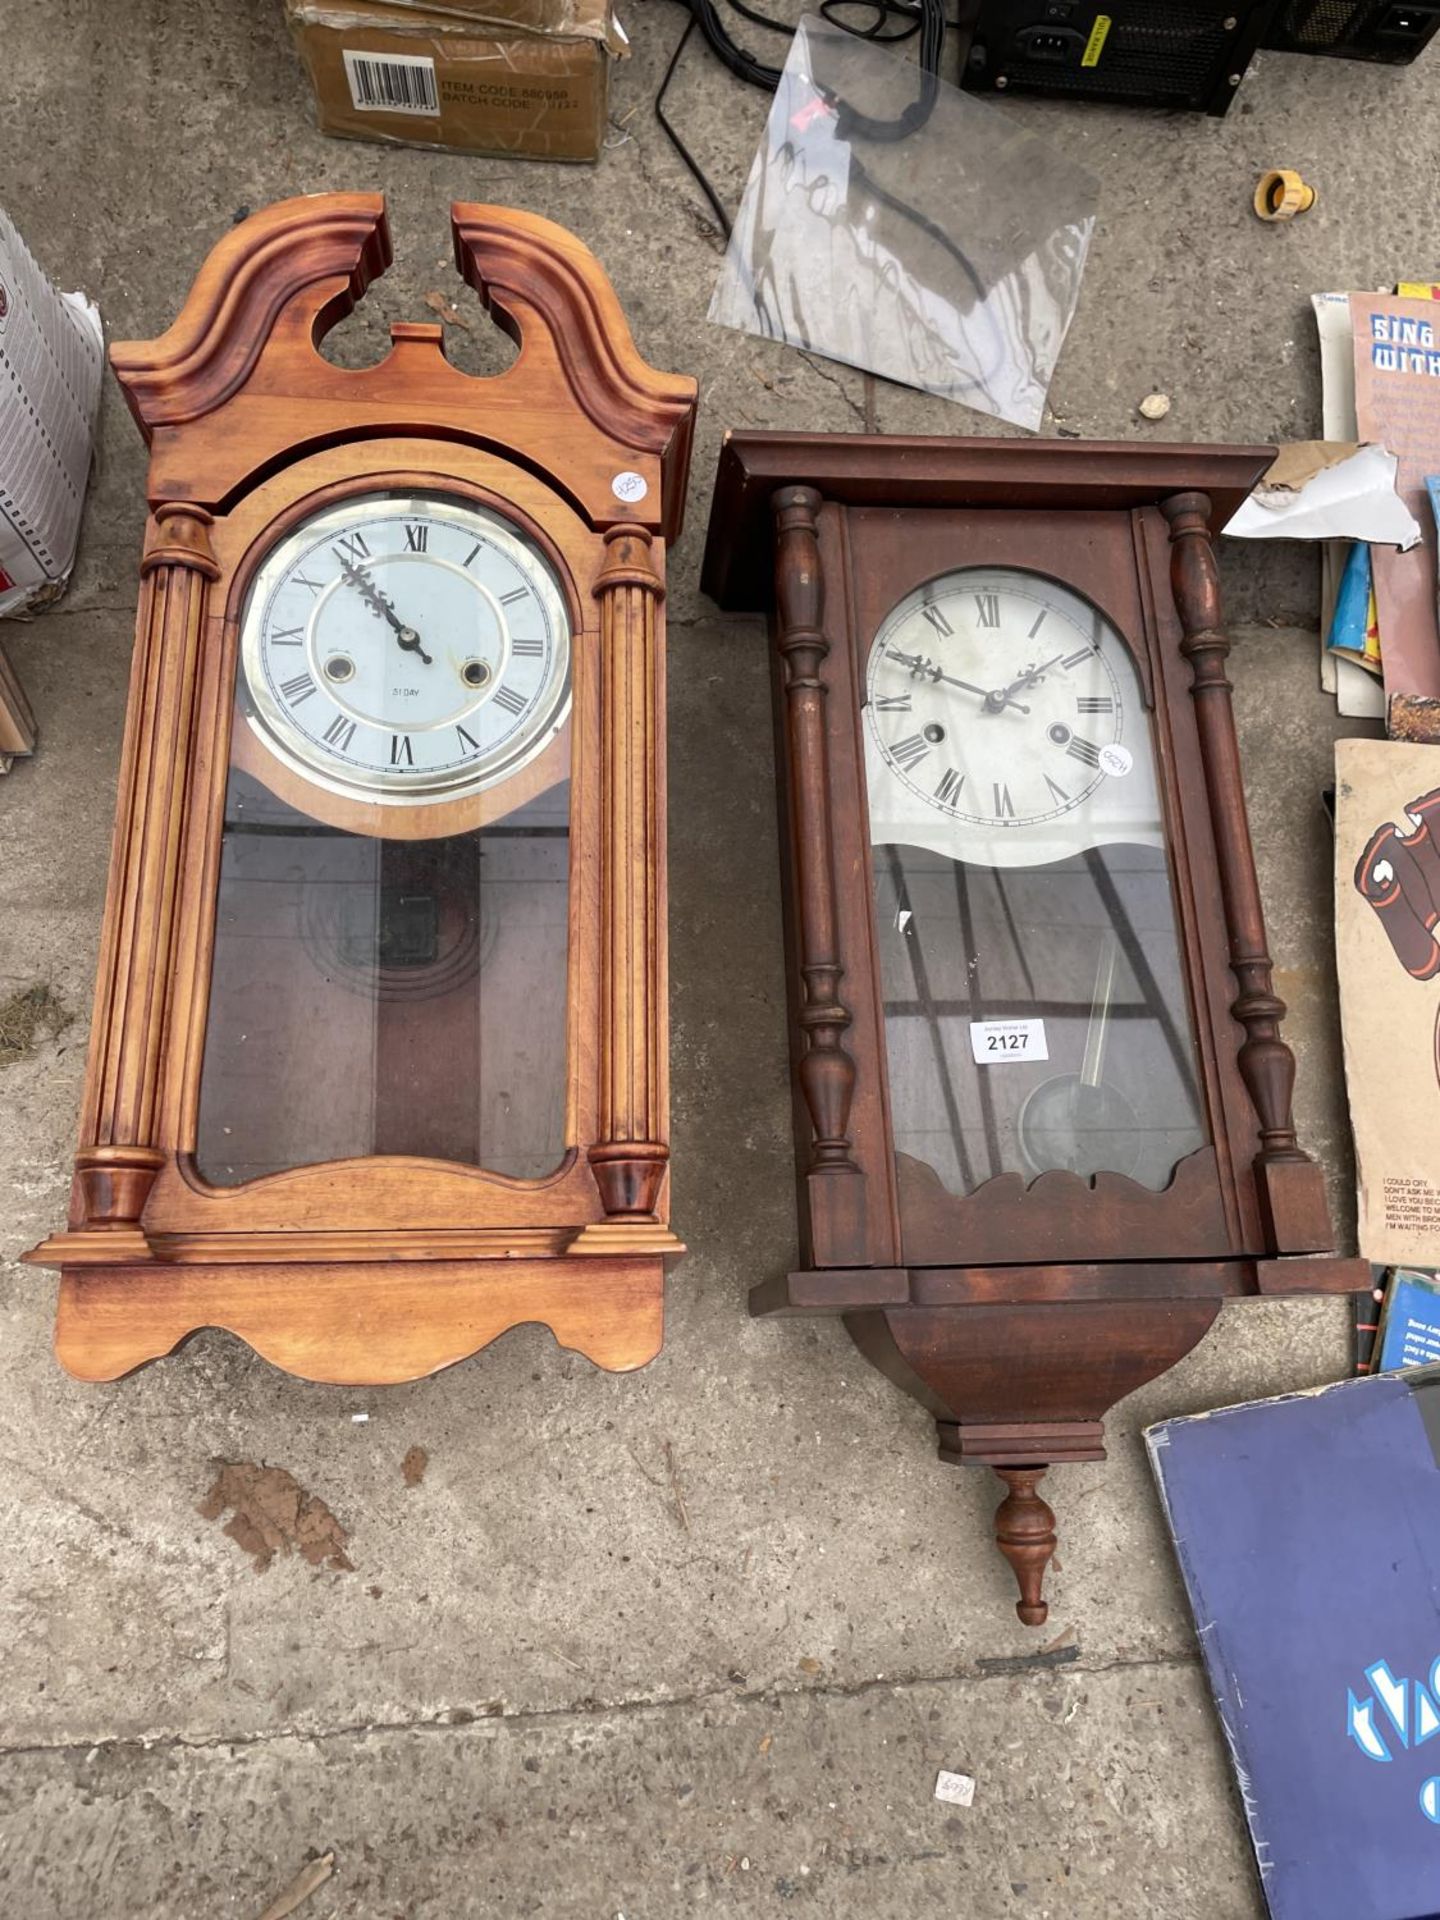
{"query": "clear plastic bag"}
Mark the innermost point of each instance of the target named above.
(895, 223)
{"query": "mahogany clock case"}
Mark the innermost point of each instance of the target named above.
(1017, 1301)
(378, 1064)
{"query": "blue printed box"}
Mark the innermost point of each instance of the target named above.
(1308, 1534)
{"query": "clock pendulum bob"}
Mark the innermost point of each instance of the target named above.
(1023, 929)
(1079, 1121)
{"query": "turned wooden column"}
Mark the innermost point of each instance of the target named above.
(1267, 1064)
(826, 1069)
(631, 1151)
(1294, 1203)
(120, 1151)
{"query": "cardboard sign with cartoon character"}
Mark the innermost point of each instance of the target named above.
(1387, 942)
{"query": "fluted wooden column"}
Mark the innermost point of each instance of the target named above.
(120, 1152)
(1290, 1184)
(631, 1152)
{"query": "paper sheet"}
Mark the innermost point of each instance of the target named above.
(1397, 400)
(1357, 696)
(1316, 491)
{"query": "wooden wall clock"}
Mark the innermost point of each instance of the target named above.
(378, 1065)
(1043, 1104)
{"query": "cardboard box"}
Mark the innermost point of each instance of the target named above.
(529, 77)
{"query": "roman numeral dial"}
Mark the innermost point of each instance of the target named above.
(406, 647)
(998, 710)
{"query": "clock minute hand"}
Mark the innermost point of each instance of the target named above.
(919, 665)
(410, 640)
(379, 603)
(370, 593)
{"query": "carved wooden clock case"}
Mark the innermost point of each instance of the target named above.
(378, 1066)
(1043, 1105)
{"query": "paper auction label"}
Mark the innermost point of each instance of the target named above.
(998, 1043)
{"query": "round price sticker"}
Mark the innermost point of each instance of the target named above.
(1116, 760)
(629, 487)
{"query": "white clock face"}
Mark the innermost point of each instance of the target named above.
(406, 647)
(1004, 724)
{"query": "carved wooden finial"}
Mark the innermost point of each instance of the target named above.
(1025, 1534)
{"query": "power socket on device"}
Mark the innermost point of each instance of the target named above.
(1188, 54)
(1389, 32)
(1060, 44)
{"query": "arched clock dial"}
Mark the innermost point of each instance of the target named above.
(1005, 724)
(1022, 885)
(404, 647)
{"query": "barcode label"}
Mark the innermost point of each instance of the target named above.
(392, 83)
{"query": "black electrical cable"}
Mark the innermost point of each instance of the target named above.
(755, 73)
(679, 145)
(831, 11)
(925, 17)
(762, 19)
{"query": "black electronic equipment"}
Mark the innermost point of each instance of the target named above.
(1153, 53)
(1389, 31)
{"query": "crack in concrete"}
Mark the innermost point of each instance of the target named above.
(582, 1710)
(834, 380)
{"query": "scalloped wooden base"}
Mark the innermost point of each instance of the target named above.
(371, 1325)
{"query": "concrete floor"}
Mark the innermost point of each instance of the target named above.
(550, 1686)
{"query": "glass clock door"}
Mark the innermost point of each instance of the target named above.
(388, 976)
(1034, 998)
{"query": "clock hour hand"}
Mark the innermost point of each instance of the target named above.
(923, 669)
(1001, 696)
(410, 641)
(380, 603)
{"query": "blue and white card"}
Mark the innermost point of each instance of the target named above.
(1308, 1533)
